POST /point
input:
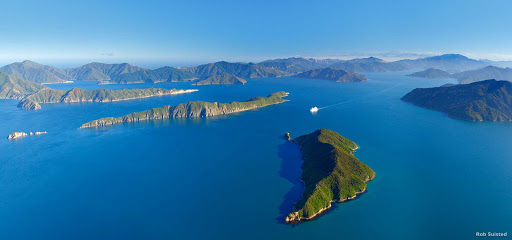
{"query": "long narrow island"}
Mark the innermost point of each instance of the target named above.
(191, 109)
(330, 173)
(75, 95)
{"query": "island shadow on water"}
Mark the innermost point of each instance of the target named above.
(291, 170)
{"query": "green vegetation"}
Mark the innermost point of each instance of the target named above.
(337, 75)
(36, 72)
(296, 65)
(13, 87)
(330, 173)
(101, 71)
(39, 73)
(48, 95)
(431, 73)
(242, 70)
(489, 100)
(191, 109)
(221, 79)
(165, 74)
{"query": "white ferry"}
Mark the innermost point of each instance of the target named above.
(313, 109)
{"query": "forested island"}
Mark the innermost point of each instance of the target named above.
(431, 73)
(221, 79)
(330, 173)
(489, 100)
(337, 75)
(191, 109)
(75, 95)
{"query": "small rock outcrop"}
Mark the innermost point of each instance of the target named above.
(287, 137)
(16, 135)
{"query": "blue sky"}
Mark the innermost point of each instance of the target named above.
(189, 32)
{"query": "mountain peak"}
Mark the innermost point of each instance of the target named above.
(30, 63)
(451, 56)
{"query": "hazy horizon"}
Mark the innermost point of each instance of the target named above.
(186, 33)
(155, 63)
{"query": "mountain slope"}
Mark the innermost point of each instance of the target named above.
(36, 72)
(242, 70)
(296, 65)
(164, 74)
(13, 87)
(370, 64)
(101, 71)
(489, 72)
(489, 100)
(431, 73)
(76, 95)
(337, 75)
(221, 79)
(446, 62)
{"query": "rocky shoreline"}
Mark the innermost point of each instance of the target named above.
(76, 95)
(293, 218)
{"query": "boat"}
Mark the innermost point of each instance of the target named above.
(313, 109)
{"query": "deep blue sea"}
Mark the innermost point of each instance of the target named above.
(234, 177)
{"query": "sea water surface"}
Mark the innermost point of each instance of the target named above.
(234, 177)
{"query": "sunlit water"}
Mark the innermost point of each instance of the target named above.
(234, 177)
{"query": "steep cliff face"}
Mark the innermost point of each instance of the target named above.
(48, 95)
(190, 110)
(29, 104)
(330, 173)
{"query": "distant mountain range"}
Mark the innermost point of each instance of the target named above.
(126, 73)
(488, 100)
(296, 65)
(446, 62)
(489, 72)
